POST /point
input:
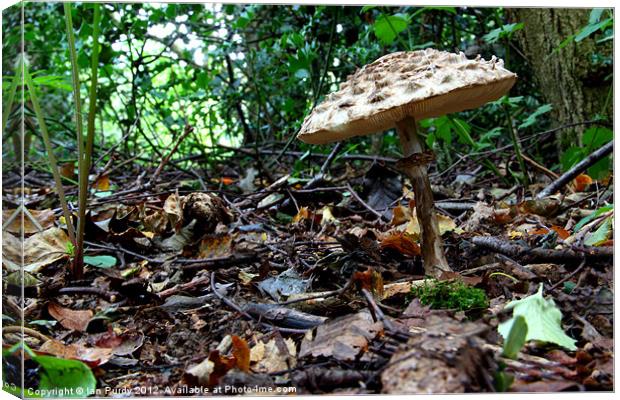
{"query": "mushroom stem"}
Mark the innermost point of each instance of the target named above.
(432, 248)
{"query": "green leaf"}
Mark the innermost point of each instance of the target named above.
(367, 8)
(591, 28)
(462, 130)
(601, 235)
(516, 338)
(531, 119)
(505, 31)
(65, 378)
(595, 15)
(596, 137)
(592, 216)
(543, 318)
(387, 27)
(100, 261)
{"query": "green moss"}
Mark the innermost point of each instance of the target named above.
(453, 294)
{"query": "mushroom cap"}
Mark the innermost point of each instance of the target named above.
(420, 84)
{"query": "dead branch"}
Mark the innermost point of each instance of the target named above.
(576, 170)
(528, 254)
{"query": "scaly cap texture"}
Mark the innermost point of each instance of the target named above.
(421, 84)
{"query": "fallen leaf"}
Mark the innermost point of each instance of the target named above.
(446, 224)
(328, 217)
(71, 319)
(241, 351)
(400, 215)
(45, 218)
(67, 170)
(270, 357)
(93, 356)
(103, 183)
(402, 242)
(41, 249)
(174, 211)
(581, 182)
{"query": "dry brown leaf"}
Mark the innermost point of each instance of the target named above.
(302, 215)
(270, 357)
(446, 224)
(93, 356)
(241, 351)
(67, 170)
(174, 210)
(400, 215)
(215, 246)
(71, 319)
(45, 218)
(103, 183)
(402, 242)
(40, 250)
(581, 182)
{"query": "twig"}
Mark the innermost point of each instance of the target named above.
(567, 277)
(576, 170)
(320, 177)
(188, 129)
(245, 314)
(540, 167)
(194, 265)
(25, 330)
(106, 294)
(362, 202)
(376, 311)
(184, 287)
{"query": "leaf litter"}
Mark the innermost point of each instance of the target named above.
(266, 283)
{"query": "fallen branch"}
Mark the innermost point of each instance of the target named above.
(576, 170)
(528, 254)
(198, 264)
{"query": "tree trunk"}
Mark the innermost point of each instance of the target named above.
(568, 79)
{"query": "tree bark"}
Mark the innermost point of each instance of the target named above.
(568, 79)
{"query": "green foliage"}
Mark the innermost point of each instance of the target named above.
(450, 295)
(246, 73)
(531, 119)
(58, 377)
(602, 234)
(594, 25)
(68, 378)
(503, 32)
(387, 27)
(592, 217)
(100, 261)
(516, 338)
(543, 319)
(593, 138)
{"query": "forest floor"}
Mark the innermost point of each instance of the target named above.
(264, 282)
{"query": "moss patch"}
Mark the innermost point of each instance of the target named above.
(453, 294)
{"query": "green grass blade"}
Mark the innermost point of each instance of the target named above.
(13, 90)
(50, 152)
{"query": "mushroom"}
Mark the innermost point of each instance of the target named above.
(396, 91)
